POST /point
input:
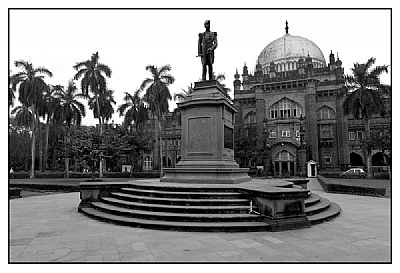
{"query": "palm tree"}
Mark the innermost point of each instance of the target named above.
(31, 89)
(92, 73)
(134, 108)
(182, 96)
(157, 96)
(70, 111)
(52, 104)
(13, 80)
(363, 99)
(221, 77)
(105, 101)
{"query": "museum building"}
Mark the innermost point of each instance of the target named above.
(292, 100)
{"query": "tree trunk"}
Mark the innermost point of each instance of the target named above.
(387, 164)
(160, 143)
(40, 139)
(67, 136)
(46, 147)
(368, 148)
(33, 148)
(166, 147)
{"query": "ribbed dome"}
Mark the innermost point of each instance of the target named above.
(289, 49)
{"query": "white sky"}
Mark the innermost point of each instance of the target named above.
(128, 40)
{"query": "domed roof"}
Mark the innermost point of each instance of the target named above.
(290, 48)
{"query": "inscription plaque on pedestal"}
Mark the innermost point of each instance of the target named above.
(199, 135)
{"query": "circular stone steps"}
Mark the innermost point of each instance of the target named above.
(178, 201)
(192, 208)
(166, 193)
(180, 226)
(173, 216)
(174, 208)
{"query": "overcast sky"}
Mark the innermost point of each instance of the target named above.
(128, 40)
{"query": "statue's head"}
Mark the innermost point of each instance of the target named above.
(207, 24)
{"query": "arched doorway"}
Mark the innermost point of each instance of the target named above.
(356, 160)
(284, 164)
(377, 159)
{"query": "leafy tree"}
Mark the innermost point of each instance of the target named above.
(19, 146)
(157, 96)
(363, 99)
(381, 140)
(246, 145)
(133, 143)
(31, 89)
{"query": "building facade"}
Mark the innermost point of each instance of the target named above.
(292, 100)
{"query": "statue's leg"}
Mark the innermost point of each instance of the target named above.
(210, 72)
(204, 72)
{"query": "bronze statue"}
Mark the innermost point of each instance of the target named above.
(206, 46)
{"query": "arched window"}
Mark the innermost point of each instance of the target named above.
(279, 67)
(250, 118)
(148, 163)
(325, 112)
(285, 108)
(284, 156)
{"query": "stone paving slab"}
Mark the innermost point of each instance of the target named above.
(49, 228)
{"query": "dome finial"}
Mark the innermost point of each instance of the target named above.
(287, 28)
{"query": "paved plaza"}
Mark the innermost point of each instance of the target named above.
(48, 228)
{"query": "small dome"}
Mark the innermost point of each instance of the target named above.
(289, 49)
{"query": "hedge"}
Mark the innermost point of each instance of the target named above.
(347, 189)
(49, 175)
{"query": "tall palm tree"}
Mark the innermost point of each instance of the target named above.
(157, 96)
(104, 101)
(51, 106)
(182, 96)
(31, 89)
(363, 99)
(93, 80)
(13, 80)
(70, 111)
(135, 109)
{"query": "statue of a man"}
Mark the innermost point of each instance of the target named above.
(206, 46)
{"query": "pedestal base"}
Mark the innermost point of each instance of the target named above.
(206, 175)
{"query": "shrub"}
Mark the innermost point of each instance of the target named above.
(19, 175)
(381, 175)
(330, 174)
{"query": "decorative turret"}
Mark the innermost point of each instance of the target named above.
(331, 58)
(332, 63)
(300, 66)
(287, 28)
(338, 62)
(245, 71)
(309, 64)
(236, 82)
(245, 74)
(259, 72)
(272, 70)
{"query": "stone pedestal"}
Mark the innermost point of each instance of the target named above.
(207, 139)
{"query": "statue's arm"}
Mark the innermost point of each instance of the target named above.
(199, 51)
(215, 41)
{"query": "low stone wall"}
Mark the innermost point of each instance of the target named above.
(349, 189)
